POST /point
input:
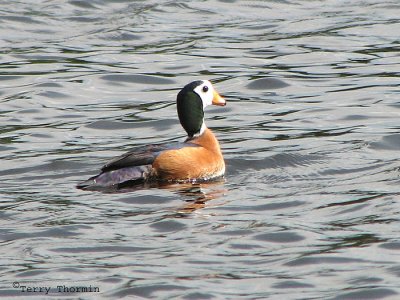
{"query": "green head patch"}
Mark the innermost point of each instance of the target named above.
(190, 109)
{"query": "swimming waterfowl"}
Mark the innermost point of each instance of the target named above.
(198, 158)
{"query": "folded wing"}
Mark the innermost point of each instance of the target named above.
(132, 167)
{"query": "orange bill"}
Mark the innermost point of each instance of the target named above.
(218, 100)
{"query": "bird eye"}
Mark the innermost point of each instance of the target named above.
(205, 89)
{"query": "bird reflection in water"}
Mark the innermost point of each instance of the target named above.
(198, 194)
(195, 195)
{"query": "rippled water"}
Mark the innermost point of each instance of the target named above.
(309, 208)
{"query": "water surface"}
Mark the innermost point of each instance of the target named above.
(309, 205)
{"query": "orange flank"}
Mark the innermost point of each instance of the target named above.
(191, 163)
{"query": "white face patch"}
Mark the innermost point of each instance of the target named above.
(206, 92)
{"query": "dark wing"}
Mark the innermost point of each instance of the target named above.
(144, 155)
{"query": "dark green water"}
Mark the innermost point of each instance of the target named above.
(309, 208)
